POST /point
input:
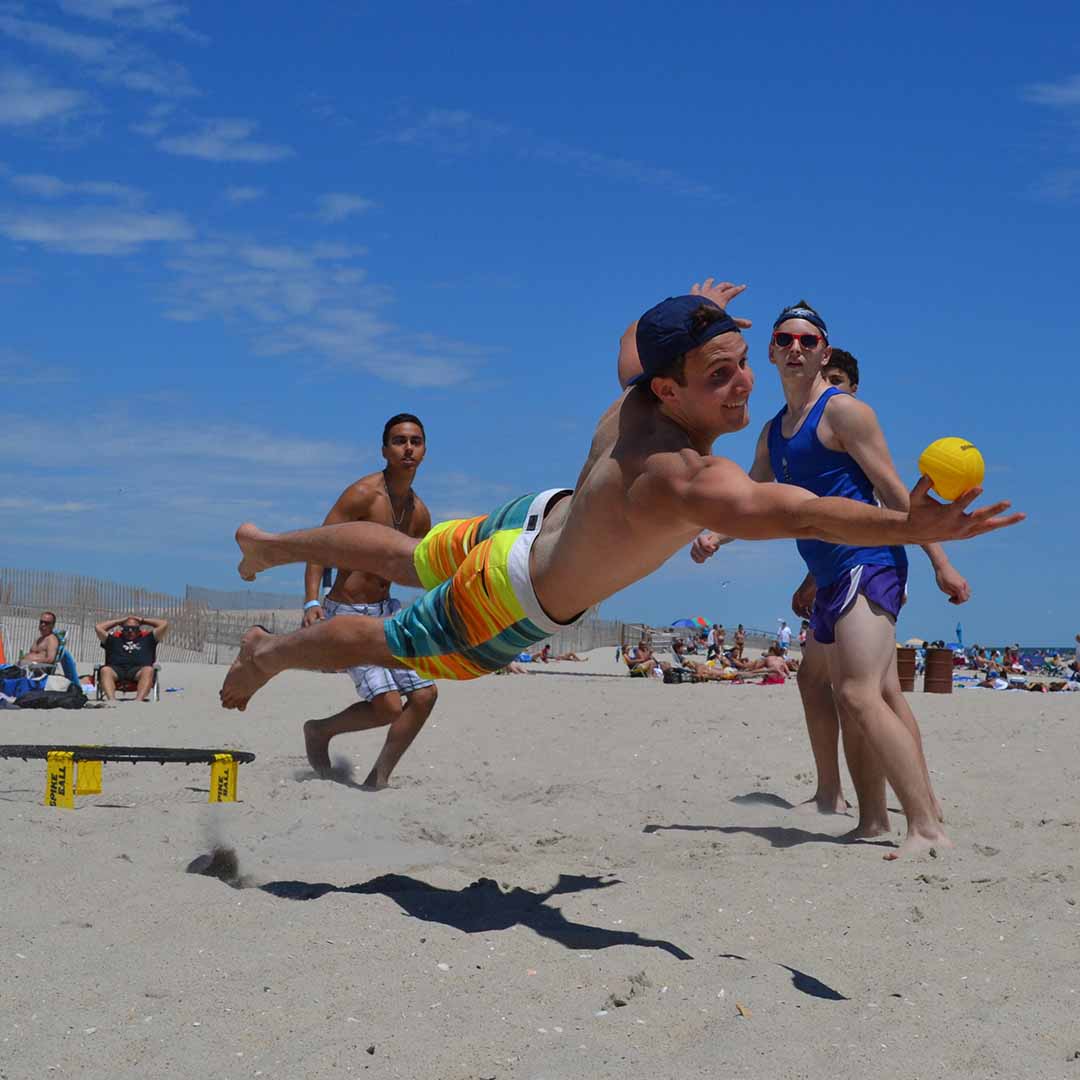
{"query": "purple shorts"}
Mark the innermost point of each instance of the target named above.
(885, 586)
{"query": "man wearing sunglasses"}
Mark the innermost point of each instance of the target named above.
(130, 653)
(46, 646)
(828, 443)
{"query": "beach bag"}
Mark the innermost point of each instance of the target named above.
(71, 698)
(56, 682)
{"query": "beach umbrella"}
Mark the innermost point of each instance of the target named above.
(916, 641)
(702, 622)
(960, 635)
(688, 623)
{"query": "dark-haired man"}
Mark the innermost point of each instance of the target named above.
(842, 371)
(395, 698)
(503, 581)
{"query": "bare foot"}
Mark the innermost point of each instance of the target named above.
(870, 830)
(317, 746)
(920, 844)
(250, 539)
(244, 678)
(824, 805)
(375, 782)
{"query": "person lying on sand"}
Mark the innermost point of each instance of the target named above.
(650, 483)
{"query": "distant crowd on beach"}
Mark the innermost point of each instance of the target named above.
(1009, 668)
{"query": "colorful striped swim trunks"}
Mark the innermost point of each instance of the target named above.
(480, 609)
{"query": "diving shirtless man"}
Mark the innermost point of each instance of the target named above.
(649, 485)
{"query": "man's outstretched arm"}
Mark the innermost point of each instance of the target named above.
(856, 426)
(723, 498)
(707, 542)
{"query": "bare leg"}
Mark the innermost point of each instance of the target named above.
(898, 702)
(404, 727)
(359, 716)
(332, 643)
(868, 779)
(107, 682)
(859, 664)
(386, 710)
(353, 545)
(823, 727)
(144, 684)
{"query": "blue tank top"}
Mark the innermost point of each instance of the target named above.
(804, 462)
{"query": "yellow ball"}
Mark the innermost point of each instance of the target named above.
(954, 465)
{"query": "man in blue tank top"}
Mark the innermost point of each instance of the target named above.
(828, 443)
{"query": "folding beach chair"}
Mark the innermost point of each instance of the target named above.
(128, 686)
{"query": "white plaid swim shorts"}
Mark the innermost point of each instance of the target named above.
(371, 681)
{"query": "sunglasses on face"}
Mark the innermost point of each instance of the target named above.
(45, 622)
(784, 340)
(130, 629)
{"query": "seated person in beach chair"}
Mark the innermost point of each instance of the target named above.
(130, 656)
(41, 658)
(642, 662)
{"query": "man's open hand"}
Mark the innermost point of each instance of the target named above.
(722, 293)
(933, 522)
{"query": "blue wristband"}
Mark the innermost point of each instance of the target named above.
(312, 603)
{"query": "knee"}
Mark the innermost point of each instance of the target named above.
(387, 707)
(854, 700)
(424, 699)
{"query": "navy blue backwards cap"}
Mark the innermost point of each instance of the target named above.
(797, 311)
(666, 331)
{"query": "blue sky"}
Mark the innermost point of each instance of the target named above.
(236, 237)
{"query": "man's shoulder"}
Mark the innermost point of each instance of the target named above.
(358, 498)
(845, 410)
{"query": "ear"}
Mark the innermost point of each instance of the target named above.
(827, 356)
(663, 387)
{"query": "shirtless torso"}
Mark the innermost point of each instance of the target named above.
(369, 500)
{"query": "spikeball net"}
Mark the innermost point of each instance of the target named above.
(76, 770)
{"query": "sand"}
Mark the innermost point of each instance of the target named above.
(570, 878)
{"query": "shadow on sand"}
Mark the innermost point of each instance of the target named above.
(778, 836)
(483, 907)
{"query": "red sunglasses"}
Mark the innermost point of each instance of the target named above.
(783, 340)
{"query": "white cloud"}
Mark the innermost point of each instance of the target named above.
(1064, 93)
(43, 508)
(25, 100)
(109, 60)
(52, 187)
(1062, 185)
(160, 15)
(244, 194)
(313, 302)
(224, 140)
(451, 131)
(456, 131)
(92, 231)
(338, 205)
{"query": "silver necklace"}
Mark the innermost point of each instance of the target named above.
(396, 518)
